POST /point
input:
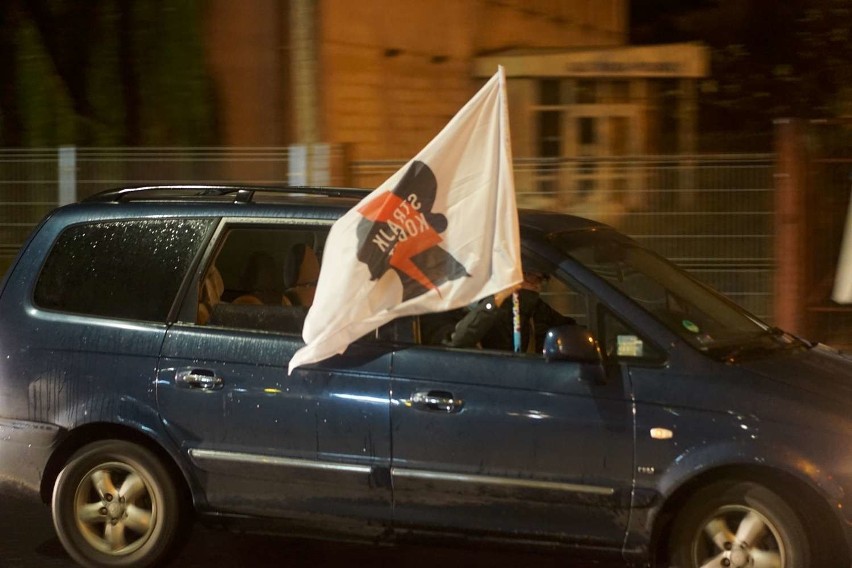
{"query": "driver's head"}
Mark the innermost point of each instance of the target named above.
(535, 274)
(533, 280)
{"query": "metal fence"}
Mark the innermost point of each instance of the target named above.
(28, 191)
(815, 163)
(713, 215)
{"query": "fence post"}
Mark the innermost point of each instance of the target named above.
(297, 164)
(317, 164)
(67, 175)
(790, 179)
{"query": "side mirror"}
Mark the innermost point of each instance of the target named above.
(571, 343)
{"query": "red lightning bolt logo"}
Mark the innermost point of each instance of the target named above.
(410, 232)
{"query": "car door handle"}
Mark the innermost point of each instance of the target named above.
(203, 379)
(435, 401)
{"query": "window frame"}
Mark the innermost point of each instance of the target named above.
(660, 358)
(179, 293)
(188, 310)
(557, 272)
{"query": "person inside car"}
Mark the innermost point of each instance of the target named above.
(489, 323)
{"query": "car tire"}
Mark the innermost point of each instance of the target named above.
(115, 504)
(735, 523)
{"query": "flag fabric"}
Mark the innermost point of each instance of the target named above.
(842, 293)
(440, 233)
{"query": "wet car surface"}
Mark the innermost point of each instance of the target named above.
(144, 342)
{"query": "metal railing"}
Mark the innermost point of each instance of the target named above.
(28, 191)
(713, 215)
(99, 169)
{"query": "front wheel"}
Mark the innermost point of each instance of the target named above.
(115, 504)
(738, 524)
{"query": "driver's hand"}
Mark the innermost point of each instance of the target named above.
(501, 296)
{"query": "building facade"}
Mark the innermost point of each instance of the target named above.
(379, 78)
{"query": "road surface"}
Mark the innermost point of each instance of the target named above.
(27, 540)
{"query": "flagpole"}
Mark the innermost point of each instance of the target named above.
(516, 320)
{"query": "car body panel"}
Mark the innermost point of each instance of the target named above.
(310, 444)
(25, 448)
(553, 453)
(535, 449)
(62, 371)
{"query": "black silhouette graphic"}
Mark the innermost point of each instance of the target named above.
(399, 231)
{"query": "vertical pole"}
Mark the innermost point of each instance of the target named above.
(638, 197)
(67, 175)
(297, 160)
(516, 321)
(687, 142)
(304, 45)
(790, 178)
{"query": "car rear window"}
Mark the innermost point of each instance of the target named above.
(129, 269)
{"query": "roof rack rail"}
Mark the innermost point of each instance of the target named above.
(242, 193)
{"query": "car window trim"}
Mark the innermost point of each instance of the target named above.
(184, 310)
(602, 311)
(30, 293)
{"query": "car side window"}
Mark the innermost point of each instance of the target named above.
(128, 269)
(623, 343)
(567, 299)
(261, 278)
(547, 303)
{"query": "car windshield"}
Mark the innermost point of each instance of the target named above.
(702, 317)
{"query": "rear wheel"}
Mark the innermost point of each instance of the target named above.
(738, 524)
(115, 504)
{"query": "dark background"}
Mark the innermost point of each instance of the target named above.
(124, 73)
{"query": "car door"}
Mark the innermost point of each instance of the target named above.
(314, 445)
(507, 444)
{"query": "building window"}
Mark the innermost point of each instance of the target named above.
(549, 118)
(587, 172)
(549, 93)
(619, 135)
(619, 91)
(669, 98)
(587, 131)
(585, 92)
(549, 130)
(549, 140)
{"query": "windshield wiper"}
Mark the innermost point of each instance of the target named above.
(791, 339)
(768, 340)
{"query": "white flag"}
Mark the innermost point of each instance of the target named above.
(842, 293)
(439, 234)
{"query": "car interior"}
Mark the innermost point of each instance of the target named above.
(261, 279)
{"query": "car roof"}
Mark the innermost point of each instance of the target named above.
(547, 222)
(202, 193)
(316, 202)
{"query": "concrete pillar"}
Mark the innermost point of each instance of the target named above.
(244, 46)
(687, 141)
(688, 117)
(640, 92)
(67, 175)
(304, 53)
(790, 177)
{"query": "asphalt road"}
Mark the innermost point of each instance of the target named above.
(27, 540)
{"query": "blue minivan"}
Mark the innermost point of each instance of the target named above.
(144, 340)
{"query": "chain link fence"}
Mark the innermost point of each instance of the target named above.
(713, 215)
(815, 164)
(28, 191)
